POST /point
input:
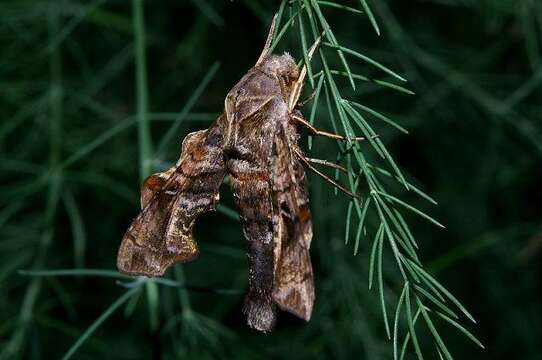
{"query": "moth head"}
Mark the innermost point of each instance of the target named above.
(284, 68)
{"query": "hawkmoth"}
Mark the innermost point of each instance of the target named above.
(255, 143)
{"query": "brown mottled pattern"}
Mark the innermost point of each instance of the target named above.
(161, 234)
(254, 142)
(293, 288)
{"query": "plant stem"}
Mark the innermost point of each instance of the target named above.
(143, 129)
(145, 146)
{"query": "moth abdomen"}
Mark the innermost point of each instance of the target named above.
(260, 311)
(259, 304)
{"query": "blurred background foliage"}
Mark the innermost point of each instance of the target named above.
(69, 170)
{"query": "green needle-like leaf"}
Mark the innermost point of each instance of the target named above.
(461, 328)
(381, 288)
(380, 116)
(411, 208)
(396, 321)
(362, 222)
(442, 289)
(434, 331)
(412, 330)
(366, 59)
(340, 6)
(371, 16)
(377, 244)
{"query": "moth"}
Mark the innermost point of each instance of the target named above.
(255, 143)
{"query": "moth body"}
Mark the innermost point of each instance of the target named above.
(254, 142)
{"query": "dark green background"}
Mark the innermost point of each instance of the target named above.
(67, 77)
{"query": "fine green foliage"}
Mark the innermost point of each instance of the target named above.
(391, 228)
(95, 95)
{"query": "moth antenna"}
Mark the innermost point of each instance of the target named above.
(267, 46)
(325, 177)
(298, 86)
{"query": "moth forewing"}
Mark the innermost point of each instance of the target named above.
(153, 184)
(161, 234)
(143, 250)
(293, 288)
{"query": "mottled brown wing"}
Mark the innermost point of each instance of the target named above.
(293, 285)
(161, 234)
(153, 184)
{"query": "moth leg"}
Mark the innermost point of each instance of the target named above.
(317, 132)
(304, 102)
(322, 175)
(327, 163)
(252, 194)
